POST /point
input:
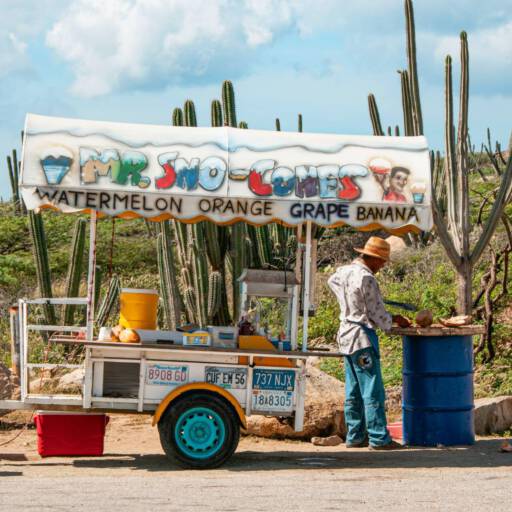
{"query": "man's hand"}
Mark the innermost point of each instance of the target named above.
(401, 321)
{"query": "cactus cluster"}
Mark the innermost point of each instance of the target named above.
(194, 284)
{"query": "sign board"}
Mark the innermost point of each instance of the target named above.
(226, 174)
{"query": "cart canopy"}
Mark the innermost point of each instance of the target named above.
(226, 174)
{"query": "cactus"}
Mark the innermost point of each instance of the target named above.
(109, 301)
(417, 118)
(171, 299)
(189, 111)
(13, 169)
(177, 117)
(243, 125)
(214, 292)
(374, 115)
(75, 267)
(278, 125)
(216, 113)
(98, 282)
(228, 104)
(299, 124)
(455, 230)
(40, 251)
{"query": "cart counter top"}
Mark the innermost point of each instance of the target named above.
(292, 354)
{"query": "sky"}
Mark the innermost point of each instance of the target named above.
(135, 60)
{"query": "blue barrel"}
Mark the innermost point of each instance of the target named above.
(437, 395)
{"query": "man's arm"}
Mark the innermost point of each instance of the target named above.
(374, 304)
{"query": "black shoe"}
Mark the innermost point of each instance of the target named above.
(393, 445)
(362, 444)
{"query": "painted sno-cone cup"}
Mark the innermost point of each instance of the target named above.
(56, 163)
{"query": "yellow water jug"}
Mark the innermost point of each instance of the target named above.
(138, 308)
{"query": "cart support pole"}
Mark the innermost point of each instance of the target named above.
(91, 276)
(307, 276)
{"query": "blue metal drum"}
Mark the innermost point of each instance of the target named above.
(437, 396)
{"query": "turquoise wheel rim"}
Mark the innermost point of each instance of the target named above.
(200, 432)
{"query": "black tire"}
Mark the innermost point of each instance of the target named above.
(193, 400)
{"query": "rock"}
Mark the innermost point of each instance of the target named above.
(9, 386)
(323, 411)
(397, 245)
(326, 441)
(493, 415)
(71, 382)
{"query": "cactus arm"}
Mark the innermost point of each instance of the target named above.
(406, 103)
(462, 149)
(374, 115)
(75, 267)
(228, 103)
(413, 69)
(278, 124)
(498, 206)
(189, 111)
(243, 125)
(450, 162)
(299, 123)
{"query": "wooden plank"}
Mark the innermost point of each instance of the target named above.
(465, 330)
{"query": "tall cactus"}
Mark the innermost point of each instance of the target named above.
(299, 123)
(40, 251)
(109, 301)
(171, 299)
(278, 124)
(455, 228)
(13, 169)
(75, 267)
(238, 230)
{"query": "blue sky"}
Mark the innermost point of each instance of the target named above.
(135, 60)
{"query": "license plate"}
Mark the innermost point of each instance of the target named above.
(282, 380)
(228, 378)
(268, 400)
(273, 390)
(166, 375)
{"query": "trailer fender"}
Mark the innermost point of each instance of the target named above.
(202, 386)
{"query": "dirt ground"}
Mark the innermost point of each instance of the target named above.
(263, 474)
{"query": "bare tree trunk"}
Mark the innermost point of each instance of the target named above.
(464, 302)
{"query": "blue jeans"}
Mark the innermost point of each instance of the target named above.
(365, 396)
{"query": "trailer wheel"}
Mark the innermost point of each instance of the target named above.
(199, 430)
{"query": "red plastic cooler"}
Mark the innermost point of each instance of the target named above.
(61, 433)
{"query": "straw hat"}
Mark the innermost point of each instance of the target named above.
(376, 247)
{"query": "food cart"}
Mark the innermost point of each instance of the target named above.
(200, 396)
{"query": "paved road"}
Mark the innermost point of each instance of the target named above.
(263, 475)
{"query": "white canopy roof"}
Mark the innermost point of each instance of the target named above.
(226, 174)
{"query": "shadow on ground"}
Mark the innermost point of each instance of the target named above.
(484, 454)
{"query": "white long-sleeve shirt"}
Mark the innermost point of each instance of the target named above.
(360, 302)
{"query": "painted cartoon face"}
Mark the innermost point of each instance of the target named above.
(398, 181)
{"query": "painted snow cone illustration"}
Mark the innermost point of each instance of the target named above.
(56, 162)
(418, 192)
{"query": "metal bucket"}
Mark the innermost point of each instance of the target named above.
(437, 395)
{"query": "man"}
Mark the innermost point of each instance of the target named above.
(361, 312)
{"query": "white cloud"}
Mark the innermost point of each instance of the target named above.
(122, 44)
